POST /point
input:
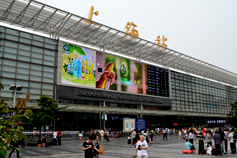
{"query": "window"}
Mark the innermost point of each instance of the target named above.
(13, 32)
(47, 86)
(11, 44)
(47, 92)
(22, 83)
(23, 71)
(25, 47)
(36, 78)
(34, 60)
(26, 35)
(24, 52)
(21, 76)
(11, 37)
(23, 65)
(8, 74)
(9, 69)
(36, 73)
(23, 58)
(7, 82)
(25, 40)
(36, 67)
(47, 74)
(35, 91)
(38, 50)
(9, 55)
(36, 55)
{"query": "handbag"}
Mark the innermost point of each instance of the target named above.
(101, 151)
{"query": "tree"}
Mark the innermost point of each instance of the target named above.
(48, 107)
(232, 116)
(10, 126)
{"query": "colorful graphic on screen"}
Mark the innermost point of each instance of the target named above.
(158, 81)
(85, 67)
(78, 65)
(120, 74)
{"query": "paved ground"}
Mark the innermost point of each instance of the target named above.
(116, 148)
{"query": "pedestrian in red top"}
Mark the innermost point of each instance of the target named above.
(59, 137)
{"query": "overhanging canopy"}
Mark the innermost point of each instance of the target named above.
(57, 23)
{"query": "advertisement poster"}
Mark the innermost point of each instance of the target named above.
(128, 124)
(140, 124)
(115, 73)
(78, 65)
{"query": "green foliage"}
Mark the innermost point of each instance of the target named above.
(48, 107)
(65, 66)
(10, 126)
(232, 116)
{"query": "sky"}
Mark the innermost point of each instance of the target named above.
(203, 29)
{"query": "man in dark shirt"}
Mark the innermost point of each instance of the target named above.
(222, 135)
(217, 139)
(87, 147)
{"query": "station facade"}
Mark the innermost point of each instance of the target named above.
(45, 65)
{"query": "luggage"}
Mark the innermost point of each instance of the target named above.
(107, 139)
(115, 136)
(185, 151)
(129, 141)
(184, 137)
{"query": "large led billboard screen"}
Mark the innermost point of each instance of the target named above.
(86, 67)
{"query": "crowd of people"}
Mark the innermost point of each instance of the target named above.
(213, 141)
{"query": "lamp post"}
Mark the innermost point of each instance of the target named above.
(15, 88)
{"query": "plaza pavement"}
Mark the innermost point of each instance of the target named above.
(115, 148)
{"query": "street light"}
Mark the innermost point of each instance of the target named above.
(15, 88)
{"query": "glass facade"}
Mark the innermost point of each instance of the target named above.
(193, 94)
(29, 61)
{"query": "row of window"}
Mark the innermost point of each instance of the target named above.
(31, 65)
(199, 81)
(24, 37)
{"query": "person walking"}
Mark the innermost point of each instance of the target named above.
(44, 135)
(80, 136)
(164, 134)
(102, 134)
(222, 135)
(226, 133)
(141, 148)
(151, 136)
(232, 145)
(59, 137)
(96, 148)
(200, 144)
(55, 138)
(133, 137)
(217, 139)
(87, 147)
(180, 134)
(137, 136)
(191, 136)
(208, 139)
(14, 145)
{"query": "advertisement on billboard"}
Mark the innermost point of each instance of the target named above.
(120, 74)
(89, 68)
(78, 65)
(128, 124)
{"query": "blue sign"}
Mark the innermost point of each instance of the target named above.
(140, 124)
(219, 121)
